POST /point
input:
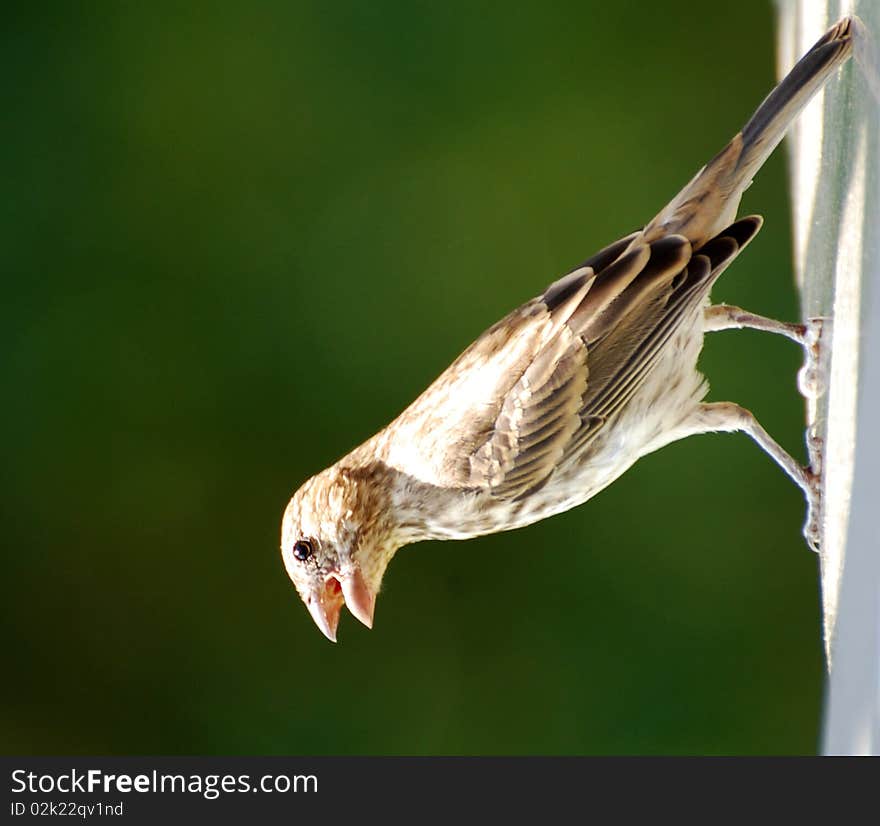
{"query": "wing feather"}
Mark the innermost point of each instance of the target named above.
(534, 389)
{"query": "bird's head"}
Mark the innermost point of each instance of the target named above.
(336, 542)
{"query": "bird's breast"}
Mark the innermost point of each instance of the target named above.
(649, 420)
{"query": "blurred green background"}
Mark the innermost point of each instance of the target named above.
(238, 239)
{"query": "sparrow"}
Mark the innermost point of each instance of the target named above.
(559, 398)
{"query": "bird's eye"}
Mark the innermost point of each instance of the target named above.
(302, 549)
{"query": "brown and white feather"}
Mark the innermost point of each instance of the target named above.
(559, 398)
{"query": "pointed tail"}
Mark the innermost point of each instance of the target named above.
(768, 125)
(709, 202)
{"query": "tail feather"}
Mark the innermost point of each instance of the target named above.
(709, 202)
(772, 118)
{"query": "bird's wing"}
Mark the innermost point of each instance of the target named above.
(534, 388)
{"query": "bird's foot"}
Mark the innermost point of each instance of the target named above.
(812, 487)
(811, 377)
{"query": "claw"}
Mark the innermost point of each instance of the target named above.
(812, 488)
(811, 377)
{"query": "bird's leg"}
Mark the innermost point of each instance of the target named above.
(729, 417)
(727, 317)
(810, 376)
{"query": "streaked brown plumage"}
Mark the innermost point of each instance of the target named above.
(559, 398)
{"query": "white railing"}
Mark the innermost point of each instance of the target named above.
(835, 180)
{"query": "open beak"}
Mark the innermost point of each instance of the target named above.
(324, 605)
(358, 597)
(347, 588)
